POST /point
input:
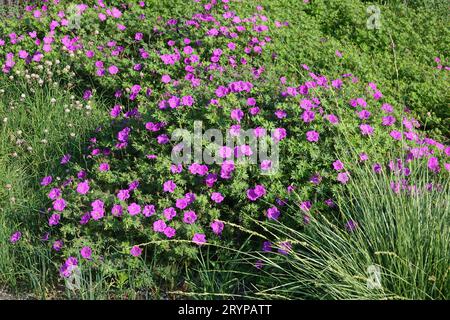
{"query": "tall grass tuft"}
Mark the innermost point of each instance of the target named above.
(398, 247)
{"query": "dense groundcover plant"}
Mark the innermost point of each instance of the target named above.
(123, 200)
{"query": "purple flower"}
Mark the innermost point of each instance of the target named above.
(308, 116)
(85, 218)
(54, 193)
(364, 114)
(166, 78)
(377, 168)
(273, 213)
(169, 186)
(433, 164)
(83, 187)
(113, 70)
(181, 203)
(387, 108)
(199, 239)
(54, 219)
(46, 180)
(267, 246)
(256, 193)
(388, 121)
(169, 232)
(98, 210)
(149, 210)
(279, 134)
(189, 217)
(338, 165)
(45, 236)
(217, 227)
(237, 115)
(305, 206)
(86, 253)
(366, 130)
(266, 165)
(169, 213)
(123, 194)
(133, 185)
(58, 245)
(136, 251)
(396, 135)
(159, 226)
(330, 203)
(68, 266)
(115, 111)
(351, 225)
(187, 101)
(312, 136)
(343, 177)
(117, 210)
(65, 159)
(316, 179)
(332, 118)
(285, 247)
(103, 167)
(15, 237)
(217, 197)
(134, 209)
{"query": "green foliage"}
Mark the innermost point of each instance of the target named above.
(398, 57)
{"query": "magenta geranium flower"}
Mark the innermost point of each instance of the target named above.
(136, 251)
(54, 219)
(305, 206)
(54, 193)
(83, 187)
(366, 130)
(433, 164)
(59, 204)
(159, 226)
(189, 217)
(117, 210)
(217, 197)
(15, 237)
(338, 165)
(279, 134)
(58, 245)
(169, 213)
(149, 210)
(86, 253)
(104, 166)
(312, 136)
(217, 227)
(343, 177)
(181, 203)
(46, 180)
(256, 193)
(68, 266)
(273, 213)
(123, 195)
(134, 209)
(169, 186)
(285, 247)
(199, 238)
(169, 232)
